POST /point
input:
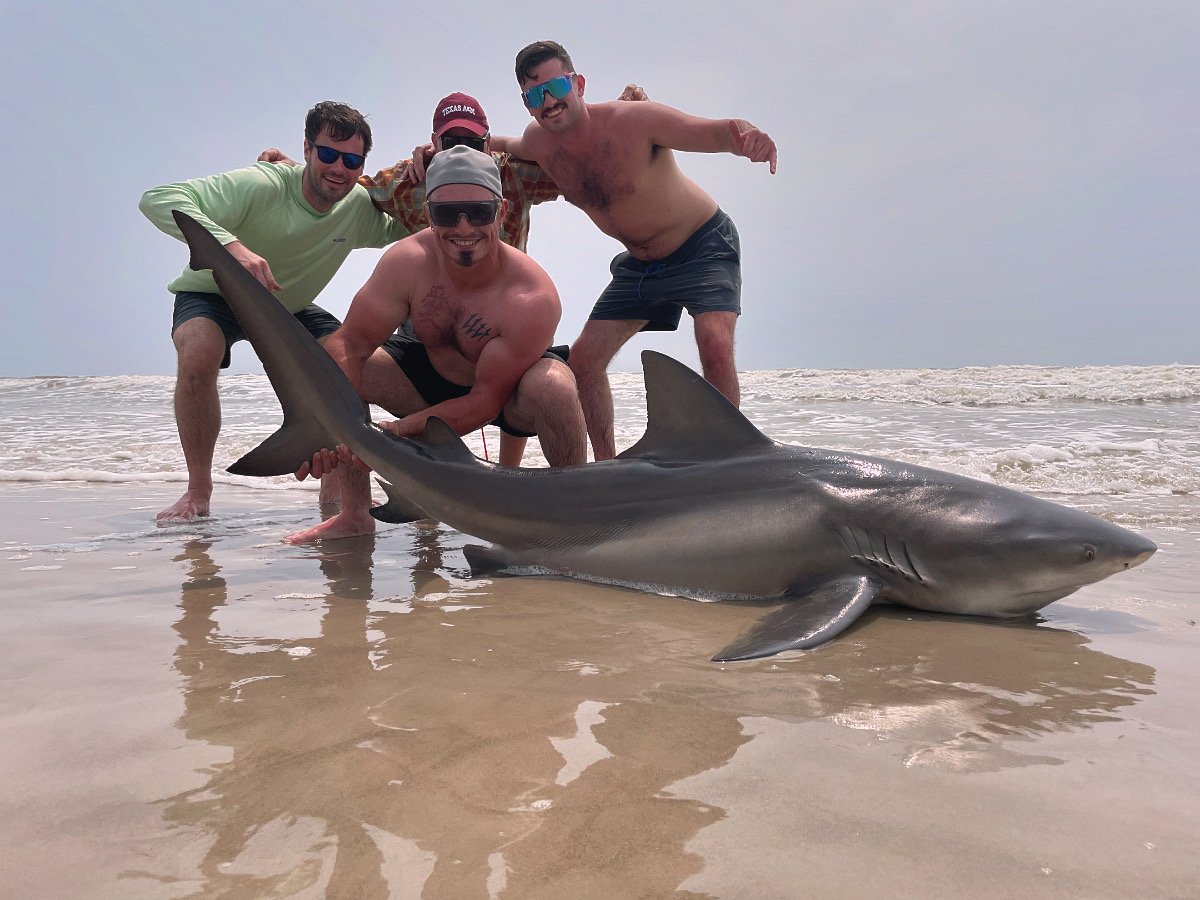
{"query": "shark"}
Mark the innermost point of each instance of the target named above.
(704, 505)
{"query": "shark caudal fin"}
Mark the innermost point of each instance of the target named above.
(284, 451)
(805, 621)
(689, 420)
(320, 406)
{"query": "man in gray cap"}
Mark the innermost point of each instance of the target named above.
(483, 314)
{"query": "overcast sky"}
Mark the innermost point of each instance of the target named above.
(960, 183)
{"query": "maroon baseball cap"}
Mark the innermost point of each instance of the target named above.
(459, 111)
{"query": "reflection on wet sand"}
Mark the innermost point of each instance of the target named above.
(960, 693)
(462, 739)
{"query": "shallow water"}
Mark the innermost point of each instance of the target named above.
(202, 711)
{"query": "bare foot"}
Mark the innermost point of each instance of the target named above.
(348, 523)
(193, 504)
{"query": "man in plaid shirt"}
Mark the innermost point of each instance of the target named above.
(460, 119)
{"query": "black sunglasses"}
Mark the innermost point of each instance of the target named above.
(453, 140)
(329, 156)
(478, 212)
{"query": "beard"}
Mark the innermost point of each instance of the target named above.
(318, 190)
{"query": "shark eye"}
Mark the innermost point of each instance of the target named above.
(1089, 552)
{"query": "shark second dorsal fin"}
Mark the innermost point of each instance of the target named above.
(443, 443)
(687, 419)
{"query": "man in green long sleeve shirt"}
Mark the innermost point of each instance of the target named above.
(291, 228)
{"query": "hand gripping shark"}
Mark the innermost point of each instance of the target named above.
(703, 506)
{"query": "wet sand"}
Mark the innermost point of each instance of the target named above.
(201, 711)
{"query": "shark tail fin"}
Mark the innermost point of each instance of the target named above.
(199, 239)
(805, 620)
(398, 509)
(284, 451)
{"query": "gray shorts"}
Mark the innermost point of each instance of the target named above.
(703, 275)
(200, 305)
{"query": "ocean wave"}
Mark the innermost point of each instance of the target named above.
(978, 386)
(1093, 431)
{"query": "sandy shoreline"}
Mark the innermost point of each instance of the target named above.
(201, 711)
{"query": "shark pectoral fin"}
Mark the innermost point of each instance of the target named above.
(486, 560)
(284, 451)
(806, 621)
(398, 509)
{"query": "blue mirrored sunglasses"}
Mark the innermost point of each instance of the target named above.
(557, 88)
(329, 156)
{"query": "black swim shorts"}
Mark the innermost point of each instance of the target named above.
(200, 305)
(413, 359)
(703, 275)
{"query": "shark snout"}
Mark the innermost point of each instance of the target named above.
(1140, 551)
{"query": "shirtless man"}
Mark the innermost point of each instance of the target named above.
(397, 190)
(483, 314)
(459, 118)
(615, 162)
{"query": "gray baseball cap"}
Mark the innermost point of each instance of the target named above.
(463, 165)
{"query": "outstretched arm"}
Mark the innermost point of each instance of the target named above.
(518, 147)
(753, 143)
(677, 130)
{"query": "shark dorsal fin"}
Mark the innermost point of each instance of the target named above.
(687, 419)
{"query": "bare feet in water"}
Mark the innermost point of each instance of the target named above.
(348, 523)
(192, 505)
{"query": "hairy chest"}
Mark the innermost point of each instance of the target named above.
(446, 320)
(595, 178)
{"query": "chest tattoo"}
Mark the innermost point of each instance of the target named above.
(437, 300)
(475, 327)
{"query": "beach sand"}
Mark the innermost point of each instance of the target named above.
(202, 711)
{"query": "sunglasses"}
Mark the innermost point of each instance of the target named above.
(453, 140)
(557, 88)
(478, 212)
(329, 156)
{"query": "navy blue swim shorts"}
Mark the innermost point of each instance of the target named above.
(703, 275)
(200, 305)
(413, 359)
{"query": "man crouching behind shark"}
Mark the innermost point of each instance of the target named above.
(483, 314)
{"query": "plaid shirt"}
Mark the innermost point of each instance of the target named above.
(525, 184)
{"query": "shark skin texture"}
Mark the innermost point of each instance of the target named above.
(704, 506)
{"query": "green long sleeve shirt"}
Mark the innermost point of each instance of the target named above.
(263, 206)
